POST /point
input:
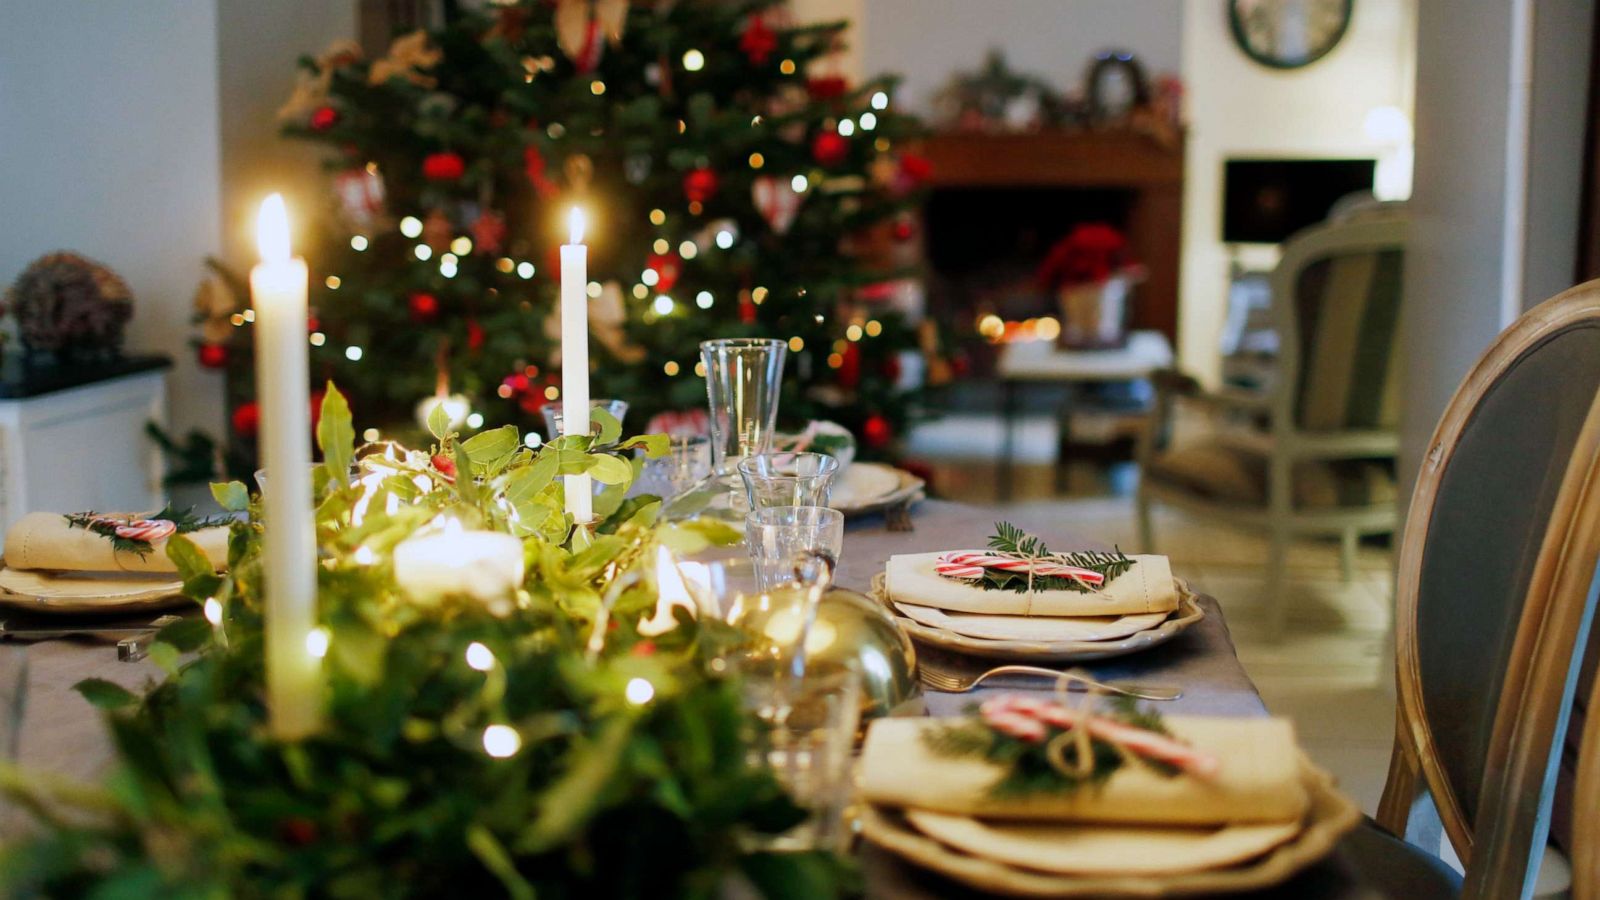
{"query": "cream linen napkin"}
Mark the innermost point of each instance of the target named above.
(45, 541)
(1259, 779)
(1145, 588)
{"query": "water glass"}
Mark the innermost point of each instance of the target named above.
(686, 464)
(808, 748)
(13, 704)
(743, 378)
(788, 479)
(552, 415)
(784, 539)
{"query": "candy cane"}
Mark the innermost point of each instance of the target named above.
(149, 530)
(1145, 743)
(972, 566)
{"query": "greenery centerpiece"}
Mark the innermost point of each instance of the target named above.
(538, 746)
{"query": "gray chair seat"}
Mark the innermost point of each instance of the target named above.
(1228, 474)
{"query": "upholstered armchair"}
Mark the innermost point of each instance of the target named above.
(1312, 453)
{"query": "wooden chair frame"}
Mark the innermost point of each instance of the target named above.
(1586, 828)
(1535, 701)
(1284, 443)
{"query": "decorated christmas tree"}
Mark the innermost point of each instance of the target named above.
(728, 194)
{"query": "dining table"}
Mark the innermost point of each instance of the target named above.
(62, 734)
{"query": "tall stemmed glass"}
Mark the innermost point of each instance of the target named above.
(743, 377)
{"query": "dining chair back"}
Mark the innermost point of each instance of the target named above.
(1496, 592)
(1586, 797)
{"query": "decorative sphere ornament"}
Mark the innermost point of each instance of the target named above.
(213, 356)
(851, 630)
(829, 148)
(424, 307)
(700, 184)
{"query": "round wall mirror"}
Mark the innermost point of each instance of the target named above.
(1288, 34)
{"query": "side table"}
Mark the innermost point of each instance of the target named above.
(1041, 362)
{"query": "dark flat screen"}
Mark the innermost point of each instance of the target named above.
(1266, 200)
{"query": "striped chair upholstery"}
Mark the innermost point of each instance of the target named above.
(1348, 310)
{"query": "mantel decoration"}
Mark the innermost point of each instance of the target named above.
(727, 192)
(510, 732)
(70, 307)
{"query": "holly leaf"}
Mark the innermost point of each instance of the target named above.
(439, 422)
(491, 450)
(186, 634)
(655, 445)
(608, 469)
(336, 435)
(610, 427)
(526, 482)
(232, 496)
(187, 558)
(103, 694)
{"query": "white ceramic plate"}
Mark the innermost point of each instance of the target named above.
(87, 592)
(1031, 628)
(1332, 815)
(870, 487)
(1068, 651)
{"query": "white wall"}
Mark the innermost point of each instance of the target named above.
(927, 41)
(1237, 107)
(109, 146)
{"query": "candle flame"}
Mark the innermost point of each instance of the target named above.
(575, 226)
(272, 230)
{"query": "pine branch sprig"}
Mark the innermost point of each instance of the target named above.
(1013, 541)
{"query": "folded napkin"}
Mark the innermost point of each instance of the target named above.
(1145, 588)
(1259, 779)
(46, 541)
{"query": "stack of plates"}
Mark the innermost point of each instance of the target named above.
(89, 592)
(1062, 859)
(866, 487)
(1042, 638)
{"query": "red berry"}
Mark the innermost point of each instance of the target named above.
(829, 148)
(446, 166)
(643, 648)
(445, 466)
(323, 118)
(213, 356)
(423, 306)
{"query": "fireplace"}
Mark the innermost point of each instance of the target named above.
(1000, 200)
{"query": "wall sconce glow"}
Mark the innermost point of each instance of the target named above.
(272, 230)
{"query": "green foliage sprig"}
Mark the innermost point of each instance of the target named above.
(106, 526)
(396, 796)
(1010, 540)
(1026, 765)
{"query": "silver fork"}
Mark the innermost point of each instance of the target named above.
(953, 683)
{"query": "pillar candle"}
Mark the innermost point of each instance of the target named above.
(575, 359)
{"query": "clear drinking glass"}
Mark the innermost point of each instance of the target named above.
(783, 539)
(13, 703)
(743, 377)
(788, 479)
(807, 744)
(552, 415)
(686, 464)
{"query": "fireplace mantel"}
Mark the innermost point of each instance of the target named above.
(1151, 172)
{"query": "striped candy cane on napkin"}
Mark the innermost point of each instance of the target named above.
(970, 566)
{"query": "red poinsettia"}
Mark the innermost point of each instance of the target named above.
(1089, 254)
(446, 166)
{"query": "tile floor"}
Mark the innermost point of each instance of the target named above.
(1332, 672)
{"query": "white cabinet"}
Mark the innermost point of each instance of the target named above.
(81, 447)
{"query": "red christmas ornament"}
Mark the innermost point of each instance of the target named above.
(758, 41)
(850, 366)
(323, 118)
(533, 162)
(667, 267)
(877, 431)
(904, 229)
(313, 324)
(246, 419)
(297, 831)
(424, 307)
(213, 356)
(891, 368)
(700, 184)
(488, 233)
(446, 166)
(474, 335)
(830, 87)
(829, 148)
